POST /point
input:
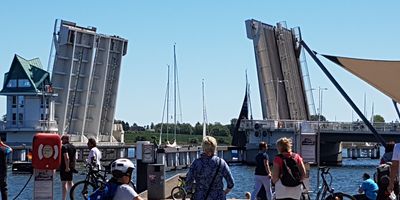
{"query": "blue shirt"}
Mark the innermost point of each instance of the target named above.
(202, 172)
(370, 188)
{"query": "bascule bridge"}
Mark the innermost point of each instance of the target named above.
(287, 100)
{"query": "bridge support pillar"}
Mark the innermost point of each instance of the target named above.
(378, 152)
(349, 152)
(375, 153)
(331, 153)
(354, 154)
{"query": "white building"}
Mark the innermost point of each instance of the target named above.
(85, 75)
(30, 101)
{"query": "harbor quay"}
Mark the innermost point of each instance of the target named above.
(346, 177)
(172, 159)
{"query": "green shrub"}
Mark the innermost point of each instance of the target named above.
(193, 141)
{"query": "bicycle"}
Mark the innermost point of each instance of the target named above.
(94, 179)
(179, 191)
(326, 191)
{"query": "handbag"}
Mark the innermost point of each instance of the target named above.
(212, 181)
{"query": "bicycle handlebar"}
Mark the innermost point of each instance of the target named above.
(324, 170)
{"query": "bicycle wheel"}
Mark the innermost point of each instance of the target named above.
(81, 190)
(178, 193)
(340, 196)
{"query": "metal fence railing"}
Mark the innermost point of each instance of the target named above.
(323, 125)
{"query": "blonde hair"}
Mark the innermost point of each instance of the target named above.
(209, 144)
(284, 144)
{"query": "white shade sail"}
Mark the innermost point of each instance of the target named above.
(381, 74)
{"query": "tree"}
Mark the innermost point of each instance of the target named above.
(315, 118)
(217, 129)
(198, 129)
(378, 118)
(125, 126)
(135, 127)
(232, 125)
(152, 125)
(185, 128)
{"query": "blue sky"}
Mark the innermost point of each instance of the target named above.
(211, 45)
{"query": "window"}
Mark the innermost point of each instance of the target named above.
(14, 118)
(71, 36)
(20, 118)
(14, 101)
(42, 102)
(21, 101)
(12, 83)
(24, 83)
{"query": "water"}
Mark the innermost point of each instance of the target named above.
(345, 179)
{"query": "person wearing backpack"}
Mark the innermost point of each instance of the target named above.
(262, 175)
(288, 171)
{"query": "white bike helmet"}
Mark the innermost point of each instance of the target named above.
(122, 167)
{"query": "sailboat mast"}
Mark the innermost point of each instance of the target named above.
(175, 80)
(204, 112)
(168, 101)
(165, 106)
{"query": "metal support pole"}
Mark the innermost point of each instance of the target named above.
(277, 97)
(397, 108)
(320, 94)
(336, 84)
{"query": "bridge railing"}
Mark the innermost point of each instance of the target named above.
(323, 125)
(357, 126)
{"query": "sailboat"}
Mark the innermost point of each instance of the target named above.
(166, 104)
(239, 137)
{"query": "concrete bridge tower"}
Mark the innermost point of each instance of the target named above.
(85, 75)
(280, 77)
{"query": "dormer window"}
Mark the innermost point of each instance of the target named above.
(12, 83)
(24, 83)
